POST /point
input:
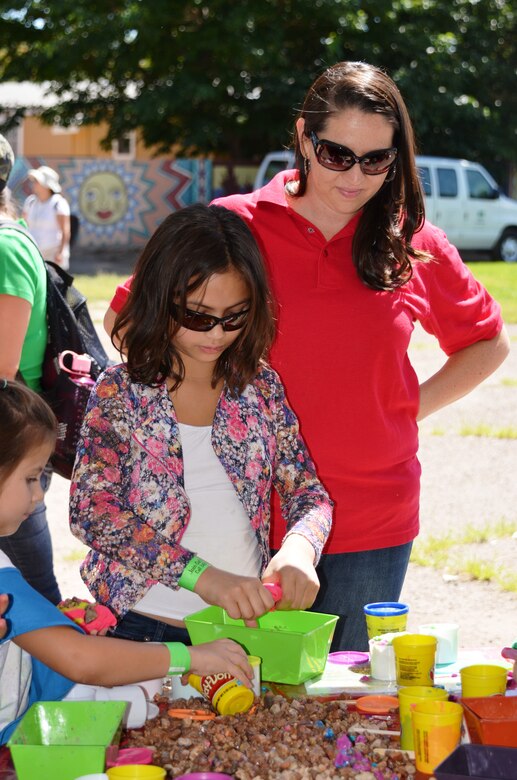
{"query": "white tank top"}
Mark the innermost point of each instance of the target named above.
(219, 530)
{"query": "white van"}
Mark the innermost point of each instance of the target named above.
(461, 198)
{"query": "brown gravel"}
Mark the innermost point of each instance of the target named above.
(280, 739)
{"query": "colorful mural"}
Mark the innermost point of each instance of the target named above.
(119, 202)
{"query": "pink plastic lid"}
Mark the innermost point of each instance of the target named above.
(348, 657)
(135, 755)
(275, 589)
(203, 776)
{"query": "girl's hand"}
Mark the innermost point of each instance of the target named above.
(222, 656)
(293, 567)
(241, 597)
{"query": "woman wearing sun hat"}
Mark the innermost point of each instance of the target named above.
(47, 214)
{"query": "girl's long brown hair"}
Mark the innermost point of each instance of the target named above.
(185, 251)
(381, 250)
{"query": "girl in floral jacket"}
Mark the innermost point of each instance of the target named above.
(183, 443)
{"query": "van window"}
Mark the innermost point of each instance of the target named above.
(447, 182)
(274, 167)
(479, 186)
(425, 178)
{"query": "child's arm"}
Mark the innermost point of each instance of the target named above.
(129, 522)
(96, 660)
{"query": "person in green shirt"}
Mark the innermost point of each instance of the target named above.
(23, 337)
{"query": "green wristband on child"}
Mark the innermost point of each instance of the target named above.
(180, 658)
(192, 572)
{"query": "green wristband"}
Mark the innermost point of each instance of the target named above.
(180, 658)
(192, 572)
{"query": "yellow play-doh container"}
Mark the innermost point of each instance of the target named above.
(225, 693)
(436, 732)
(385, 617)
(408, 698)
(482, 680)
(136, 772)
(414, 659)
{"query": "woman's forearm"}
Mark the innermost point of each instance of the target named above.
(461, 373)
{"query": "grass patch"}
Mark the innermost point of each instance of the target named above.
(473, 534)
(487, 431)
(479, 570)
(445, 553)
(500, 279)
(75, 555)
(98, 288)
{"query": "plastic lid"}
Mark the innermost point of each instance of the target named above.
(377, 705)
(229, 701)
(275, 589)
(203, 776)
(386, 608)
(348, 657)
(136, 755)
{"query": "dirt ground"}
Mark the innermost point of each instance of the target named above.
(467, 480)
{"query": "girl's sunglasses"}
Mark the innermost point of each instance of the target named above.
(340, 158)
(196, 320)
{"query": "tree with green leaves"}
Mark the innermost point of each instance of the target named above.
(215, 77)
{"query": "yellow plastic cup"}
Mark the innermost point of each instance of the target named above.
(385, 617)
(414, 659)
(408, 697)
(136, 772)
(436, 732)
(483, 680)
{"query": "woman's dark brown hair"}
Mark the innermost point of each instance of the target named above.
(26, 422)
(382, 250)
(185, 251)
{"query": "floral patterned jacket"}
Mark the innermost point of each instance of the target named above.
(127, 497)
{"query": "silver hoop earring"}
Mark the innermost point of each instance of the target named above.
(306, 166)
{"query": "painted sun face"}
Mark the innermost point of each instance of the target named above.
(103, 198)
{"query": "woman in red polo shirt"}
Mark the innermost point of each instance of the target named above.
(353, 265)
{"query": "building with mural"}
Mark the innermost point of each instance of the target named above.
(120, 195)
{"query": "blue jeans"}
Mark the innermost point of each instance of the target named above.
(351, 580)
(30, 549)
(140, 628)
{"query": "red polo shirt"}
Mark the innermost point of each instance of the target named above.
(341, 350)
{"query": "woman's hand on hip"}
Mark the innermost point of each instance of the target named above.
(241, 597)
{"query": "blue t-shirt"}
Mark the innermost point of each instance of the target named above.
(28, 611)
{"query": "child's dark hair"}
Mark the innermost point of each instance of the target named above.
(26, 421)
(188, 248)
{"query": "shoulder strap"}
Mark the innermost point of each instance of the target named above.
(12, 224)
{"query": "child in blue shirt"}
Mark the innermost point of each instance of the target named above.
(43, 653)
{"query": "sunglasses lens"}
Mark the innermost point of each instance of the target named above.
(236, 321)
(378, 162)
(334, 158)
(195, 321)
